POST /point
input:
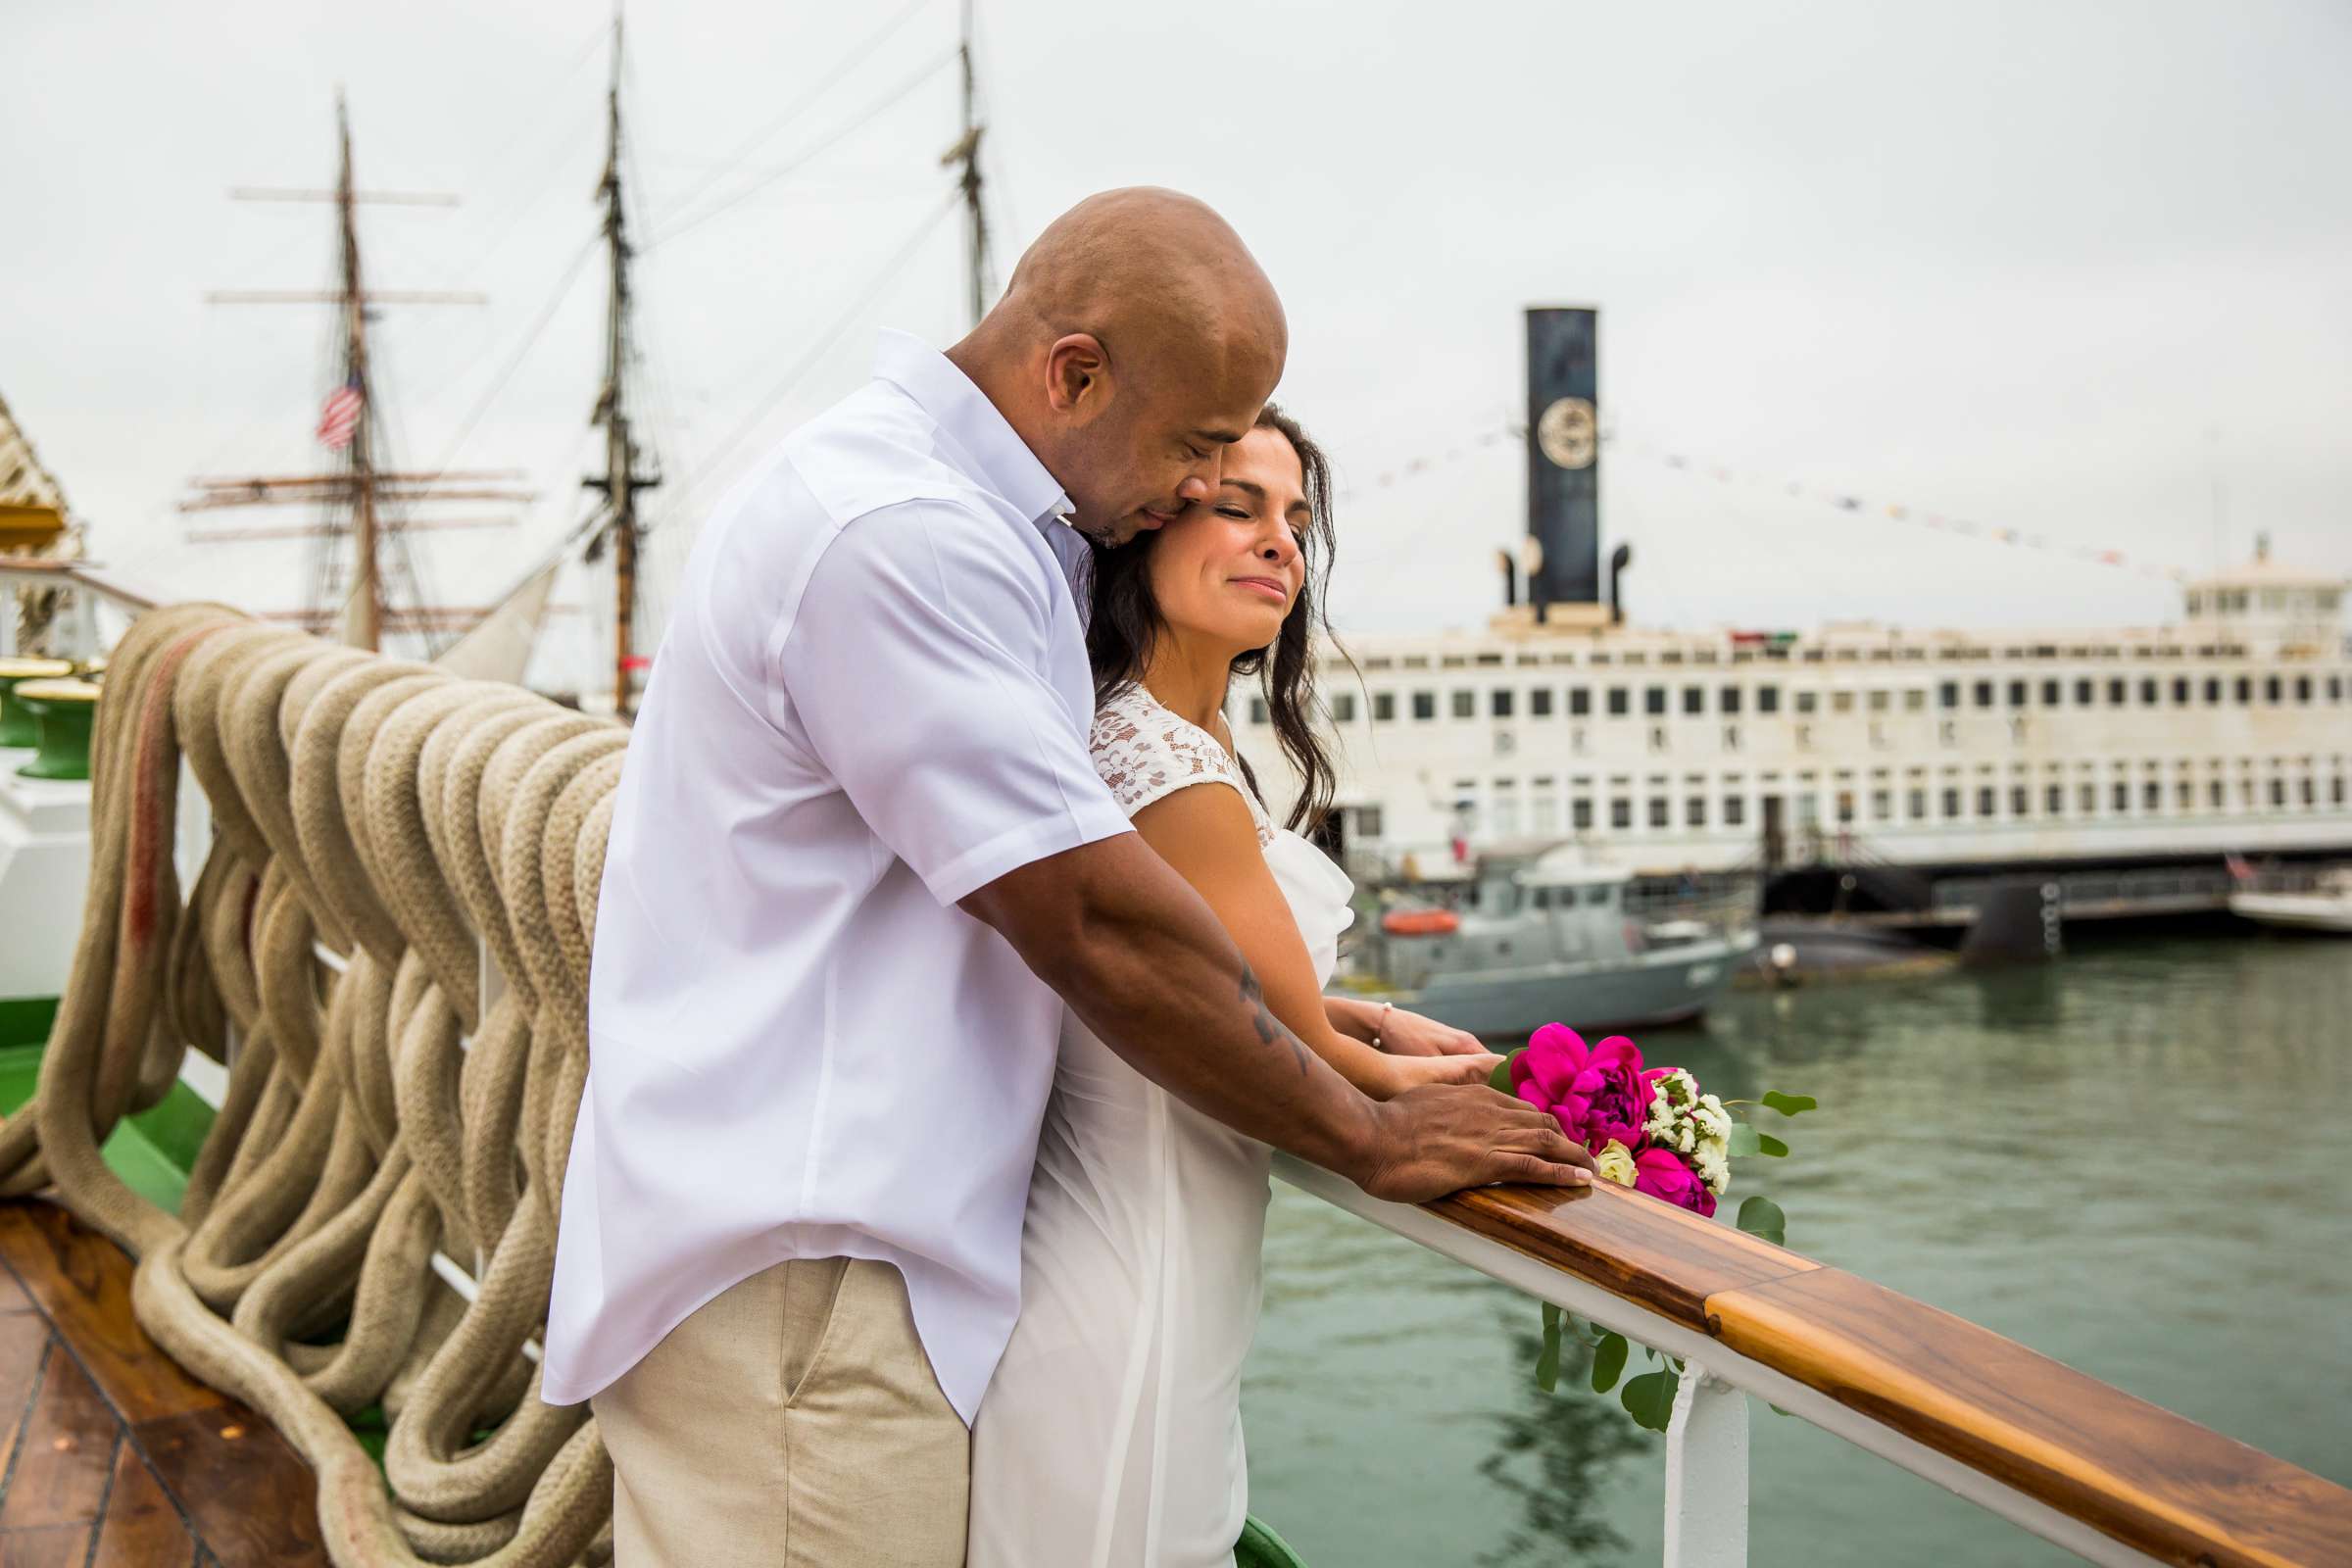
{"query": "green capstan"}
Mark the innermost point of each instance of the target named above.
(17, 726)
(62, 711)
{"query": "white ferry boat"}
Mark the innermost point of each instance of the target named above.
(1855, 745)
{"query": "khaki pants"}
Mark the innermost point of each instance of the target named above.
(793, 1422)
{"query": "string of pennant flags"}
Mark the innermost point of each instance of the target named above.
(1842, 501)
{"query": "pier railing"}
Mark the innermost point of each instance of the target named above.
(2109, 1477)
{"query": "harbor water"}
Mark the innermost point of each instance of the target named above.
(2133, 1161)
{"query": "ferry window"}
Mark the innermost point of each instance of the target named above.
(2245, 690)
(1845, 806)
(2215, 794)
(1727, 700)
(1465, 705)
(1768, 699)
(1383, 706)
(1580, 814)
(2151, 795)
(2147, 692)
(1489, 659)
(2304, 787)
(1621, 702)
(2302, 688)
(1842, 701)
(1695, 812)
(1653, 700)
(1425, 705)
(1597, 893)
(2084, 692)
(1621, 814)
(2186, 795)
(2053, 800)
(1258, 710)
(1988, 800)
(2016, 694)
(1342, 707)
(1539, 701)
(2118, 691)
(1694, 699)
(1543, 897)
(2050, 689)
(2180, 691)
(1367, 821)
(1580, 701)
(1657, 811)
(2213, 691)
(1734, 808)
(2277, 792)
(1807, 702)
(1877, 701)
(2335, 688)
(1915, 805)
(1951, 803)
(2335, 790)
(1502, 702)
(2122, 795)
(2089, 797)
(1915, 701)
(1983, 694)
(2018, 804)
(1882, 806)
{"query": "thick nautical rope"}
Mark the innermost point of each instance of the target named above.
(412, 823)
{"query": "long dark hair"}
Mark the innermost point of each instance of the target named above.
(1125, 622)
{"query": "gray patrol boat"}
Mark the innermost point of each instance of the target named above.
(1536, 938)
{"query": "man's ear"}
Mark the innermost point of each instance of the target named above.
(1078, 384)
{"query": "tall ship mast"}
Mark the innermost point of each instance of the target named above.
(367, 583)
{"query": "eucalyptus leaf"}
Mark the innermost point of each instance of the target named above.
(1791, 1104)
(1744, 1141)
(1766, 1144)
(1547, 1364)
(1501, 1077)
(1761, 1216)
(1649, 1400)
(1608, 1362)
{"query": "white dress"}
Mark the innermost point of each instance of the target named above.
(1112, 1433)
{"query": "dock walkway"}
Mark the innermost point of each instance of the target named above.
(110, 1456)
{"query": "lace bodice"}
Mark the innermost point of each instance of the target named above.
(1143, 750)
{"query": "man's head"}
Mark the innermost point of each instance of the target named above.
(1136, 341)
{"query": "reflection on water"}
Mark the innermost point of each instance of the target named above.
(2131, 1161)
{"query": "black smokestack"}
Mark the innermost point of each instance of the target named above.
(1563, 455)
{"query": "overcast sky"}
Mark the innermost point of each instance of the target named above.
(2081, 270)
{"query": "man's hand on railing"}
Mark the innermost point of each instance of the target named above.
(1442, 1138)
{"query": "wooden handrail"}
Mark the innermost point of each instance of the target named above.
(2155, 1481)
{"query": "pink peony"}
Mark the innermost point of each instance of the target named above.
(1661, 1173)
(1597, 1093)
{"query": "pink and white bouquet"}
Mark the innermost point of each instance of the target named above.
(1652, 1129)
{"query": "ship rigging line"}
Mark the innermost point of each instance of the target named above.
(816, 351)
(801, 102)
(823, 144)
(555, 301)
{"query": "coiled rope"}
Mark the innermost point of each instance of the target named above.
(447, 838)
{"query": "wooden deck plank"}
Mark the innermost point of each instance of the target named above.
(82, 1282)
(253, 1500)
(50, 1546)
(2177, 1491)
(12, 1294)
(1630, 1243)
(64, 1453)
(23, 1340)
(142, 1528)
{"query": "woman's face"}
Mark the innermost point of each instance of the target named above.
(1229, 569)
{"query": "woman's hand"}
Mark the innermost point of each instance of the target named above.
(1391, 1076)
(1408, 1034)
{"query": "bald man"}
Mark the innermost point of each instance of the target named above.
(859, 862)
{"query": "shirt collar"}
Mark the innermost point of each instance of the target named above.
(963, 411)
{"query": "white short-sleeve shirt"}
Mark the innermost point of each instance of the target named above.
(873, 699)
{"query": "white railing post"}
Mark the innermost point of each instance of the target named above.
(1706, 1474)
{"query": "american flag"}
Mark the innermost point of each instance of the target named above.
(340, 417)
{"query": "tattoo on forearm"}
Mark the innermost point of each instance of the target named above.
(1269, 1028)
